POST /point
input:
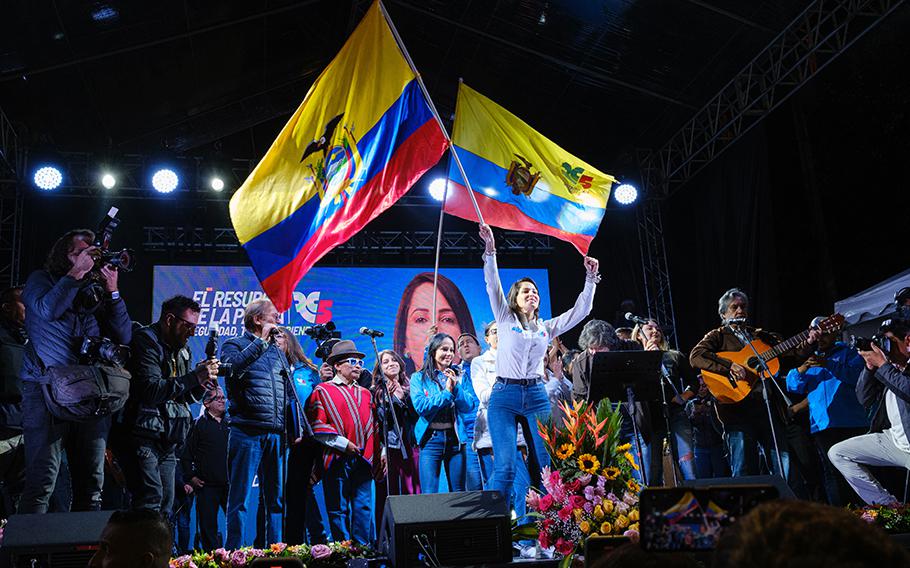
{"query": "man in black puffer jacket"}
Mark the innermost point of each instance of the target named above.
(157, 417)
(257, 400)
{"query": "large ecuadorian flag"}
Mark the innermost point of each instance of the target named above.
(521, 180)
(362, 136)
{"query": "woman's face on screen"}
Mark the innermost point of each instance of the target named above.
(420, 318)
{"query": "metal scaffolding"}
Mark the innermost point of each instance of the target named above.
(11, 197)
(360, 248)
(807, 45)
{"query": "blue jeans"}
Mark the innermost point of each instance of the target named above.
(743, 447)
(644, 458)
(442, 449)
(710, 462)
(681, 445)
(519, 488)
(348, 498)
(249, 453)
(473, 476)
(46, 439)
(511, 405)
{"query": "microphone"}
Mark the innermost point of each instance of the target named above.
(274, 333)
(211, 346)
(635, 319)
(371, 332)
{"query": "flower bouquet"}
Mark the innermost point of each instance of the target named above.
(892, 518)
(332, 555)
(589, 486)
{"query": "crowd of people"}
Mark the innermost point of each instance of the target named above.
(442, 412)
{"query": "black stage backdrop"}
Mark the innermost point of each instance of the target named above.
(809, 207)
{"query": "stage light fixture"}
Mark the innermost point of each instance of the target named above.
(216, 183)
(48, 178)
(626, 194)
(108, 180)
(165, 180)
(438, 189)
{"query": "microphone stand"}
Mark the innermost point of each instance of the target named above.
(763, 372)
(301, 428)
(665, 378)
(632, 411)
(385, 407)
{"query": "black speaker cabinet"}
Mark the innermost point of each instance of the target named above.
(776, 481)
(454, 529)
(53, 540)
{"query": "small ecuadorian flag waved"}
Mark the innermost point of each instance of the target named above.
(362, 136)
(522, 180)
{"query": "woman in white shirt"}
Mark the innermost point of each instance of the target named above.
(518, 395)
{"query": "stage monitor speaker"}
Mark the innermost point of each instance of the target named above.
(447, 529)
(52, 540)
(775, 481)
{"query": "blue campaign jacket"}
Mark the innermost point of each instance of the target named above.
(831, 390)
(429, 397)
(56, 329)
(256, 388)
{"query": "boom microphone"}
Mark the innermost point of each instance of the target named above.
(371, 332)
(635, 319)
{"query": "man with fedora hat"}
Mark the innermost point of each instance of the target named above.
(341, 414)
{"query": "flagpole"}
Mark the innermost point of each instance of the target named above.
(454, 154)
(426, 94)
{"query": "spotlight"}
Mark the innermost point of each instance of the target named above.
(108, 180)
(165, 180)
(626, 194)
(217, 183)
(438, 189)
(48, 178)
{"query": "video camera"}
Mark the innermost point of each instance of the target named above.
(325, 335)
(90, 296)
(866, 343)
(123, 259)
(95, 350)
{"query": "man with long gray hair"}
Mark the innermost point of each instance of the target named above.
(746, 423)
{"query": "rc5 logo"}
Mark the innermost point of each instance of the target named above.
(311, 308)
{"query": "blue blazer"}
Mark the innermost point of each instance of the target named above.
(429, 397)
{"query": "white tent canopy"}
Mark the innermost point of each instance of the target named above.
(872, 302)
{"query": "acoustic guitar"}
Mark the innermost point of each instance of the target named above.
(728, 391)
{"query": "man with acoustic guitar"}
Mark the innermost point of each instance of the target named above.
(731, 377)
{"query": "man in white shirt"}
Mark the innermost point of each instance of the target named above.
(885, 382)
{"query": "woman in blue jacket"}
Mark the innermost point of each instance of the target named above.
(441, 402)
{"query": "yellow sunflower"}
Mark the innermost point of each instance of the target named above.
(623, 448)
(588, 463)
(631, 459)
(633, 486)
(606, 528)
(565, 451)
(611, 472)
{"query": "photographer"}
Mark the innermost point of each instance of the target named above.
(883, 383)
(57, 317)
(257, 402)
(157, 418)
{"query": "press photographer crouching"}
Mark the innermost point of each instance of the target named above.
(157, 416)
(72, 306)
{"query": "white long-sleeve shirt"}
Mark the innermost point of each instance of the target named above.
(521, 352)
